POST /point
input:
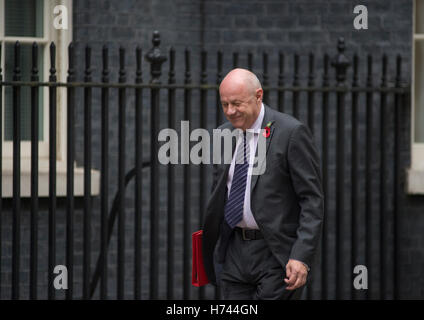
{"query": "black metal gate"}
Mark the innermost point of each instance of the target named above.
(357, 125)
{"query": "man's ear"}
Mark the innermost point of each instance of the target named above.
(259, 94)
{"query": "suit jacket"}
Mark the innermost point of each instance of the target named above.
(286, 200)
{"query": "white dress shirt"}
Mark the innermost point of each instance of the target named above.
(248, 221)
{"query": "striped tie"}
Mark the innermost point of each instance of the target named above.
(233, 210)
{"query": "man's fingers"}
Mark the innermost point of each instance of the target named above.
(288, 270)
(295, 277)
(292, 279)
(295, 285)
(300, 281)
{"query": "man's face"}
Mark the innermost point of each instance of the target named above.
(240, 106)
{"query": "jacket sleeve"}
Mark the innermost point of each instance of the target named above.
(303, 161)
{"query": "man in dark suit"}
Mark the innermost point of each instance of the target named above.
(261, 232)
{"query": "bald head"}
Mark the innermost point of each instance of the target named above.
(241, 97)
(242, 77)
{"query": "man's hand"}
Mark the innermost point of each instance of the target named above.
(296, 273)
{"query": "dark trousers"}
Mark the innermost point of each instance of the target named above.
(250, 271)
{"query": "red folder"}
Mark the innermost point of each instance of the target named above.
(198, 274)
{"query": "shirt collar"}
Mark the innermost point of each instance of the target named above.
(256, 126)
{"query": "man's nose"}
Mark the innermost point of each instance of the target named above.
(231, 110)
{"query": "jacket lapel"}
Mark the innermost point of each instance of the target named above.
(268, 117)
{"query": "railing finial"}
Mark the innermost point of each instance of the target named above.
(340, 62)
(156, 58)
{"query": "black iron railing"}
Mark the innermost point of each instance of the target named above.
(345, 222)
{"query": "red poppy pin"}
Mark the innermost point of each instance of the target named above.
(267, 131)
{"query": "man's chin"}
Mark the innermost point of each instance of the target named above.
(238, 124)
